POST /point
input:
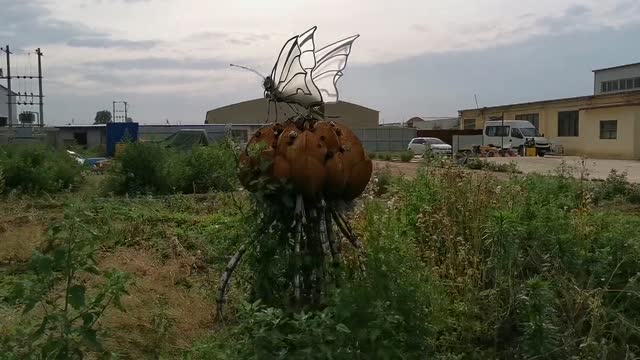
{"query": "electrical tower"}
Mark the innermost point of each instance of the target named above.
(120, 109)
(23, 96)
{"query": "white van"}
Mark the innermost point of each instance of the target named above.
(513, 134)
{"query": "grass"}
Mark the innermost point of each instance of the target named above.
(459, 265)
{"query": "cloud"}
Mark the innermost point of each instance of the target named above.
(103, 42)
(158, 63)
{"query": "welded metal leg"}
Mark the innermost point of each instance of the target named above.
(226, 278)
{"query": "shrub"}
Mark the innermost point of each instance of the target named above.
(37, 168)
(481, 164)
(614, 186)
(406, 156)
(372, 155)
(386, 156)
(151, 168)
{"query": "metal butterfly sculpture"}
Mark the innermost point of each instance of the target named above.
(305, 76)
(323, 165)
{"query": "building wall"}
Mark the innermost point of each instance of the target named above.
(623, 107)
(96, 136)
(4, 111)
(618, 73)
(255, 112)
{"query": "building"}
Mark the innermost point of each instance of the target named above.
(4, 110)
(434, 123)
(604, 125)
(255, 112)
(616, 79)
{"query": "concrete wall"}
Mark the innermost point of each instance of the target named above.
(161, 132)
(96, 136)
(383, 139)
(622, 107)
(4, 111)
(618, 73)
(255, 112)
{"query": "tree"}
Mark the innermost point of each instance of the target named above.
(102, 117)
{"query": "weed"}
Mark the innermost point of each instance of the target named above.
(150, 168)
(37, 169)
(70, 313)
(406, 156)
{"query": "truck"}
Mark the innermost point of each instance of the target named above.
(504, 135)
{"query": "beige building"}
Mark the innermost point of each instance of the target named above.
(255, 112)
(605, 125)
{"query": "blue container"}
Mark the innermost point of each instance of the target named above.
(118, 132)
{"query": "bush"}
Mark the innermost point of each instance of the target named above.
(406, 156)
(614, 186)
(386, 156)
(151, 168)
(481, 164)
(37, 169)
(372, 155)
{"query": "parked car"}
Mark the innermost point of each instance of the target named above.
(420, 145)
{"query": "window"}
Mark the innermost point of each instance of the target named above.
(495, 118)
(636, 82)
(469, 124)
(603, 87)
(533, 118)
(497, 131)
(568, 123)
(432, 141)
(515, 133)
(3, 121)
(80, 138)
(418, 141)
(609, 129)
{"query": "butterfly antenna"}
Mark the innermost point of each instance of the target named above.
(248, 68)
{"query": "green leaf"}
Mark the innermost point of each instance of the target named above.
(76, 296)
(87, 319)
(29, 306)
(343, 328)
(90, 336)
(40, 331)
(92, 269)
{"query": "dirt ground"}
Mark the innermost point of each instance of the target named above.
(595, 168)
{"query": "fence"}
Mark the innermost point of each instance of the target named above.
(385, 139)
(447, 135)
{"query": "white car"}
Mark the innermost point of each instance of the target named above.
(437, 146)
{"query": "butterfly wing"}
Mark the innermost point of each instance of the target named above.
(330, 61)
(292, 72)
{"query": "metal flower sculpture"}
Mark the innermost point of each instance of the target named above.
(308, 169)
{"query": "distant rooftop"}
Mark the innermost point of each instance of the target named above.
(617, 67)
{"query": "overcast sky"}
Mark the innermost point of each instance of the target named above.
(169, 58)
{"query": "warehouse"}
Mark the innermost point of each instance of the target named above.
(603, 125)
(255, 112)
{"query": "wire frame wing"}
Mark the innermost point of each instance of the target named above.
(330, 61)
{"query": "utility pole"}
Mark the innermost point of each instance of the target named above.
(9, 102)
(41, 117)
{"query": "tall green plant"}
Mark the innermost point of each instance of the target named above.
(68, 311)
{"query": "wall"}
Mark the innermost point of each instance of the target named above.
(588, 143)
(161, 132)
(255, 112)
(4, 111)
(96, 136)
(614, 74)
(384, 139)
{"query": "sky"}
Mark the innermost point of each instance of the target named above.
(169, 59)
